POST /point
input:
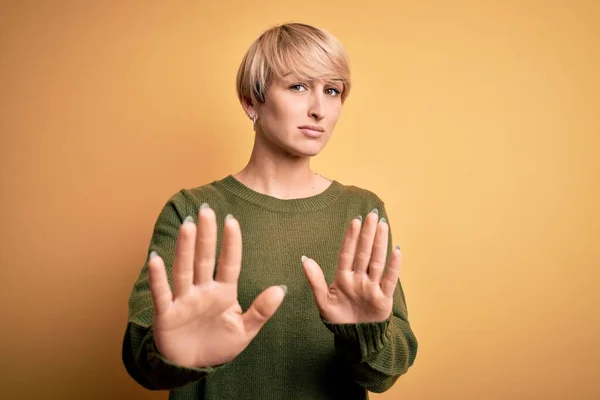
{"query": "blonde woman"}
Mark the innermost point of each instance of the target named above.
(274, 282)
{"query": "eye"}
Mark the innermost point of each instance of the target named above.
(333, 92)
(297, 87)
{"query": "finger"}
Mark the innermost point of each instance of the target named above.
(316, 280)
(230, 260)
(206, 245)
(379, 254)
(183, 261)
(346, 257)
(390, 279)
(263, 308)
(159, 284)
(365, 242)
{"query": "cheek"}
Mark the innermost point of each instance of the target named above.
(291, 112)
(282, 107)
(334, 114)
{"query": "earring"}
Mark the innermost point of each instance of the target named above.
(254, 118)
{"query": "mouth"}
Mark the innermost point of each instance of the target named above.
(312, 131)
(312, 128)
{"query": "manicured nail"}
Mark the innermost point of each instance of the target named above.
(284, 287)
(359, 218)
(204, 205)
(398, 247)
(152, 254)
(376, 211)
(383, 219)
(228, 216)
(188, 219)
(303, 258)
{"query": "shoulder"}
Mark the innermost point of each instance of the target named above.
(362, 200)
(361, 193)
(212, 193)
(188, 200)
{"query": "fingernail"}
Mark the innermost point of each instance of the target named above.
(284, 287)
(383, 219)
(376, 211)
(188, 219)
(398, 247)
(359, 218)
(228, 216)
(303, 258)
(152, 254)
(204, 205)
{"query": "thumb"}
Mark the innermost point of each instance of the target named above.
(263, 308)
(316, 280)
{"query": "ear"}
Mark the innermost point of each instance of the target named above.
(248, 107)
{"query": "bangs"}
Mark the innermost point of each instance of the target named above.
(307, 59)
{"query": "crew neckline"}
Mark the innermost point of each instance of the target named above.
(311, 203)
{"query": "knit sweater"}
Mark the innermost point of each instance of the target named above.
(297, 354)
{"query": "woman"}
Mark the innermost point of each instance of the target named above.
(187, 331)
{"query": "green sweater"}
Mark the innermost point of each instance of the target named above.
(297, 354)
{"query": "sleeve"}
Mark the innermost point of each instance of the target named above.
(141, 358)
(378, 353)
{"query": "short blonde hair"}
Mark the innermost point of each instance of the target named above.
(296, 48)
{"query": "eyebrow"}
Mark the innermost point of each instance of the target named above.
(326, 81)
(337, 83)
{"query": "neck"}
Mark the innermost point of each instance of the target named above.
(281, 176)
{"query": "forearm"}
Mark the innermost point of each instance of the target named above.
(141, 358)
(378, 353)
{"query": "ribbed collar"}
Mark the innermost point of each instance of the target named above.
(316, 202)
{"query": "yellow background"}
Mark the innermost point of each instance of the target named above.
(477, 123)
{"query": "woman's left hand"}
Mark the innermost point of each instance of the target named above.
(361, 291)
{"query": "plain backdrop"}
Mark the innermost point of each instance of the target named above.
(475, 121)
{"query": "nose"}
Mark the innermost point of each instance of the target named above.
(315, 107)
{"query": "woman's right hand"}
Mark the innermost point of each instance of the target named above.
(201, 324)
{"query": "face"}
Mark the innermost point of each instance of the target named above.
(299, 115)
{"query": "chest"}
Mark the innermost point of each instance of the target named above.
(272, 251)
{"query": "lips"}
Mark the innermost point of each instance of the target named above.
(312, 128)
(311, 132)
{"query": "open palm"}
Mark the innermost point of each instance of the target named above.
(200, 323)
(361, 291)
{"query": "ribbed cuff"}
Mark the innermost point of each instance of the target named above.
(168, 373)
(359, 342)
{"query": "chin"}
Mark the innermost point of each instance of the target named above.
(296, 152)
(313, 154)
(304, 149)
(308, 151)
